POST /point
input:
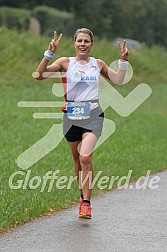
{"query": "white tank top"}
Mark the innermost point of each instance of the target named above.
(81, 82)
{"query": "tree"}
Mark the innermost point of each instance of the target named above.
(91, 14)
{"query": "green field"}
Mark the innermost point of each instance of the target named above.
(139, 143)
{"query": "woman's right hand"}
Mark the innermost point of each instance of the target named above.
(54, 43)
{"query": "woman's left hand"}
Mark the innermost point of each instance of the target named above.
(124, 52)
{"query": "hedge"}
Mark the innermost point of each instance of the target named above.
(14, 18)
(52, 19)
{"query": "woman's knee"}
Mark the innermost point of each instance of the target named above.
(85, 160)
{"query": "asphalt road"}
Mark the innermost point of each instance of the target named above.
(129, 220)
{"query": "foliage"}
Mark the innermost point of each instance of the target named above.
(14, 18)
(94, 16)
(52, 19)
(142, 20)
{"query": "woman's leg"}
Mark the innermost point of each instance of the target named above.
(82, 152)
(85, 149)
(77, 166)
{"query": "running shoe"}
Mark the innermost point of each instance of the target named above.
(86, 211)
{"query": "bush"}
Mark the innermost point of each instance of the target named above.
(14, 18)
(52, 19)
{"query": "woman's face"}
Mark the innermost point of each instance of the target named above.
(83, 44)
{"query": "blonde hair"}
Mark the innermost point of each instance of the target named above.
(86, 31)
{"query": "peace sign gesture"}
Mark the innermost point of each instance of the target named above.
(54, 43)
(124, 52)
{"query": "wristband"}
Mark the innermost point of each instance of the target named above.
(123, 65)
(49, 55)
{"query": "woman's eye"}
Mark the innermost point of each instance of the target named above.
(80, 41)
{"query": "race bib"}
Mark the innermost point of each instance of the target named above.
(78, 110)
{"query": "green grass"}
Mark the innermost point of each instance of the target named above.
(139, 143)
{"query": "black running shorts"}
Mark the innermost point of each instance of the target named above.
(74, 129)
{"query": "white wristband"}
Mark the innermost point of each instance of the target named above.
(49, 55)
(123, 65)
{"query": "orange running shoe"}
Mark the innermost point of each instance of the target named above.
(80, 205)
(86, 211)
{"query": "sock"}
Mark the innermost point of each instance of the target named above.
(86, 201)
(81, 196)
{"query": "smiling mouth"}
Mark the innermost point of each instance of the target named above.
(82, 49)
